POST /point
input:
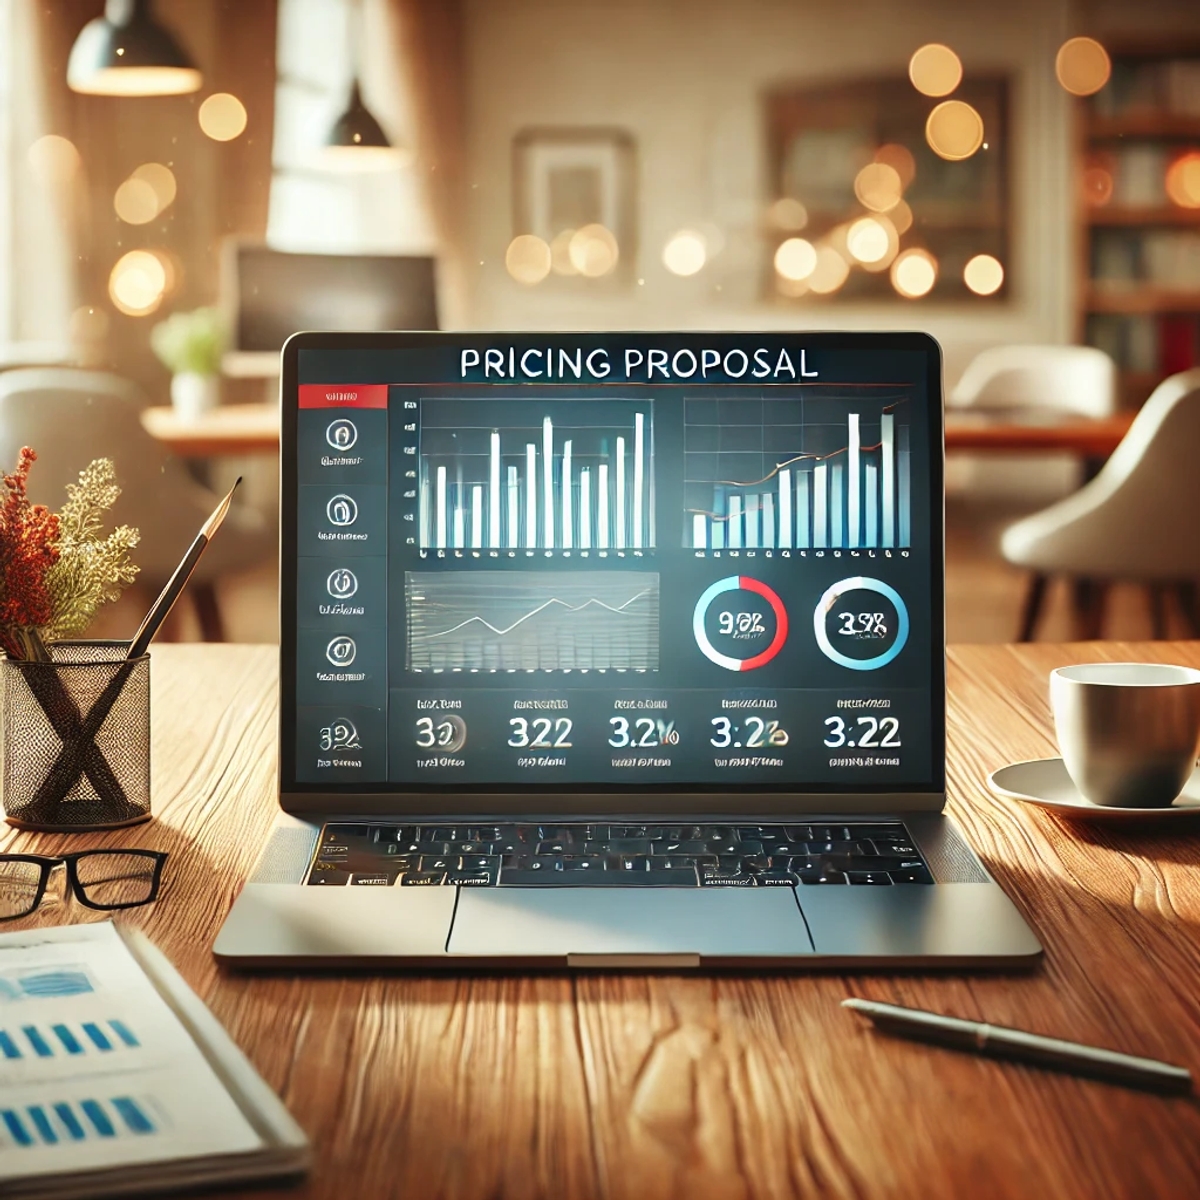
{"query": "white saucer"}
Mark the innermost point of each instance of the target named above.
(1045, 782)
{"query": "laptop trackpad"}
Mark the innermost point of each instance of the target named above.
(548, 922)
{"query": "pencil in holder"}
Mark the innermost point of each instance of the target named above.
(76, 738)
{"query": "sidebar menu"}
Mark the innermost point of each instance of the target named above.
(341, 616)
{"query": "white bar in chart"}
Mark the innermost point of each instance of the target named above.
(699, 531)
(871, 509)
(585, 509)
(785, 510)
(718, 535)
(837, 507)
(476, 517)
(639, 477)
(803, 538)
(548, 483)
(887, 455)
(494, 491)
(905, 482)
(619, 533)
(768, 520)
(752, 540)
(514, 507)
(820, 521)
(530, 496)
(602, 502)
(853, 486)
(735, 523)
(460, 536)
(440, 518)
(568, 539)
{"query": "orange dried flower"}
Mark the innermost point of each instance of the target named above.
(29, 535)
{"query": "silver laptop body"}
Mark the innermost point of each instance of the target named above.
(617, 650)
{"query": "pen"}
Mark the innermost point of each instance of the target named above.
(175, 585)
(1001, 1042)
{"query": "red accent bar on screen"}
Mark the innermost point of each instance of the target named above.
(343, 395)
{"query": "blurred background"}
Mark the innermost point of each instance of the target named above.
(185, 182)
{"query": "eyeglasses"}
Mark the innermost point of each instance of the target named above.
(103, 879)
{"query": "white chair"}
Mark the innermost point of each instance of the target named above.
(1076, 379)
(1137, 521)
(71, 417)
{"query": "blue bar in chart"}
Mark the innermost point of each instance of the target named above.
(98, 1117)
(16, 1128)
(41, 1122)
(96, 1034)
(7, 1046)
(66, 1114)
(829, 469)
(123, 1032)
(40, 1046)
(70, 1042)
(132, 1114)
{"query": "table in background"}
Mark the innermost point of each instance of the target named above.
(635, 1086)
(254, 429)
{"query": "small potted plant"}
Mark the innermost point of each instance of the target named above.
(190, 346)
(76, 721)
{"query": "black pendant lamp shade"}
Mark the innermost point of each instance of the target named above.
(127, 53)
(356, 140)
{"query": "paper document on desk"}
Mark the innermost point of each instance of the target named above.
(114, 1077)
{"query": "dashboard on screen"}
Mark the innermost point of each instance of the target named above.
(597, 561)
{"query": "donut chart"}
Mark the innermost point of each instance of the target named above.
(754, 630)
(845, 613)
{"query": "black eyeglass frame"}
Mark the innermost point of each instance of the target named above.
(47, 863)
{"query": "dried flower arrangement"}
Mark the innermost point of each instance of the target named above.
(56, 569)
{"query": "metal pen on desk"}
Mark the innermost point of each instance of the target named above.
(1001, 1042)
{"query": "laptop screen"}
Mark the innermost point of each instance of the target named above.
(596, 562)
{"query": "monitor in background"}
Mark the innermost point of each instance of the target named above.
(271, 294)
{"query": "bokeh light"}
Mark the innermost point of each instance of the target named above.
(1097, 186)
(1082, 66)
(560, 253)
(914, 273)
(54, 160)
(830, 272)
(867, 240)
(137, 282)
(935, 70)
(954, 130)
(791, 287)
(161, 179)
(685, 253)
(878, 187)
(795, 259)
(983, 274)
(527, 259)
(1183, 180)
(135, 202)
(593, 251)
(222, 116)
(901, 217)
(900, 159)
(787, 214)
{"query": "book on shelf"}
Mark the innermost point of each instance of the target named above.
(115, 1079)
(1150, 256)
(1147, 344)
(1163, 85)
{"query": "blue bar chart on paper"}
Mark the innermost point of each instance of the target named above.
(830, 469)
(553, 475)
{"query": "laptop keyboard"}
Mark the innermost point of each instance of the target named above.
(617, 855)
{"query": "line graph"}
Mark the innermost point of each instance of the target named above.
(828, 469)
(494, 621)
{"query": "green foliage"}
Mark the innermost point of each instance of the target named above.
(190, 342)
(91, 570)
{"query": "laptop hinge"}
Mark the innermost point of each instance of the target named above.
(633, 962)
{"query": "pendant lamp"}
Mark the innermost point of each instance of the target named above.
(127, 52)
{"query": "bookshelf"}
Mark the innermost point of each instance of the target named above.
(1139, 215)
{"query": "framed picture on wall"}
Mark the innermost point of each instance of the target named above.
(575, 189)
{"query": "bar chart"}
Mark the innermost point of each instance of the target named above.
(549, 475)
(77, 1121)
(820, 471)
(534, 621)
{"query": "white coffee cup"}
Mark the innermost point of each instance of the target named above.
(1129, 733)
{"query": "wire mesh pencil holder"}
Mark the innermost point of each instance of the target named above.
(76, 738)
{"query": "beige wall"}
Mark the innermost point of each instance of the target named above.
(686, 78)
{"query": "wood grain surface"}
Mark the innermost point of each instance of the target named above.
(628, 1086)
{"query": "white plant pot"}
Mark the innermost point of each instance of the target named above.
(193, 395)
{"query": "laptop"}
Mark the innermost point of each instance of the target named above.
(614, 650)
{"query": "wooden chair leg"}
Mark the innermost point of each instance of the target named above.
(1157, 595)
(1089, 596)
(1189, 605)
(208, 611)
(1031, 608)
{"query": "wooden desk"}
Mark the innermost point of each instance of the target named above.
(254, 429)
(629, 1087)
